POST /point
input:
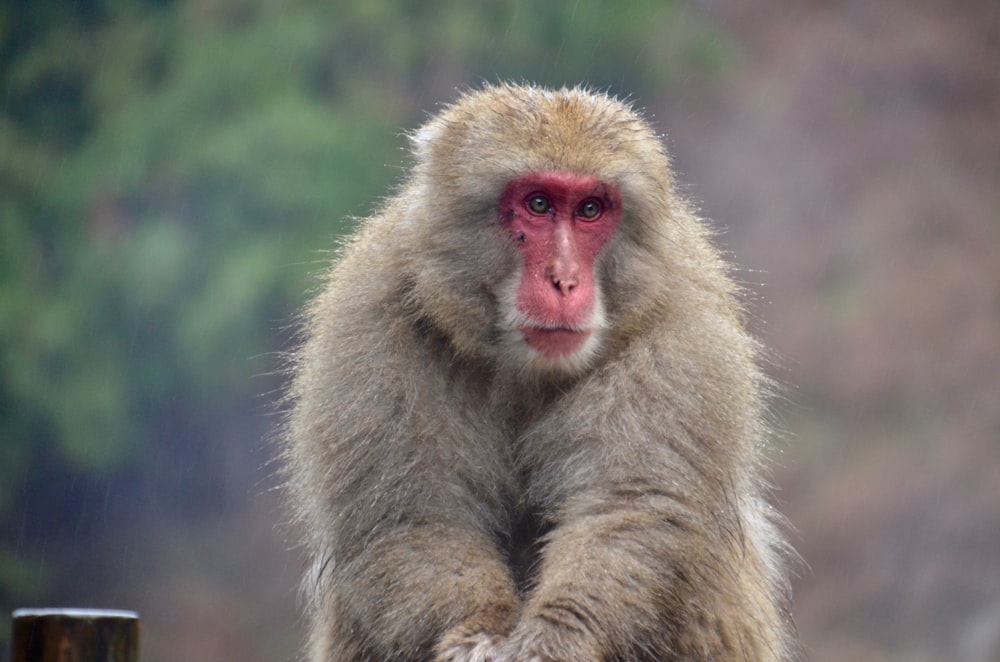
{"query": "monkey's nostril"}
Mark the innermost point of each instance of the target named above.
(564, 287)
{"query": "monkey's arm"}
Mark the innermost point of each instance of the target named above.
(403, 561)
(397, 598)
(396, 490)
(661, 547)
(627, 568)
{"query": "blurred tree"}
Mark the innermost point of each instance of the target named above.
(168, 173)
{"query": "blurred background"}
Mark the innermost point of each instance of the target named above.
(172, 173)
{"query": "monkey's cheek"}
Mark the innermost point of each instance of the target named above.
(555, 344)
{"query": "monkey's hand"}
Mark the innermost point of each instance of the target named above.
(476, 647)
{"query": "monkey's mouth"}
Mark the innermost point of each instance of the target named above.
(555, 343)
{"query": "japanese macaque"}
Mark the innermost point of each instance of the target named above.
(525, 419)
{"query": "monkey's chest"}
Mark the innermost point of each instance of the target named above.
(524, 544)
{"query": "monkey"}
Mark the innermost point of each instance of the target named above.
(525, 417)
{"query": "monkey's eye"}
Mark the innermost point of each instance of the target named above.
(539, 204)
(589, 210)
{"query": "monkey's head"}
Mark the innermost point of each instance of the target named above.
(544, 218)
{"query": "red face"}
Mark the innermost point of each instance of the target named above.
(559, 221)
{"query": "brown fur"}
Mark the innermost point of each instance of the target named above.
(458, 505)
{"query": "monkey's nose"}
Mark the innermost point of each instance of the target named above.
(564, 263)
(564, 285)
(564, 272)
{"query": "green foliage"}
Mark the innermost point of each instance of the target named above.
(170, 171)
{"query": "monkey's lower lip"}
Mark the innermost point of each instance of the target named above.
(555, 343)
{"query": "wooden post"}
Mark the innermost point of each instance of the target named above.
(75, 635)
